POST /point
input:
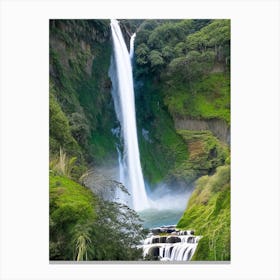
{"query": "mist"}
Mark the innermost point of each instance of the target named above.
(165, 196)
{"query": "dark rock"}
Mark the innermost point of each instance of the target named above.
(173, 239)
(156, 230)
(162, 239)
(154, 251)
(155, 240)
(191, 239)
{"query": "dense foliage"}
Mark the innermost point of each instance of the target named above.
(190, 59)
(182, 70)
(80, 53)
(83, 226)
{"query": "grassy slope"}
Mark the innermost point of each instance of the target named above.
(71, 205)
(208, 213)
(67, 194)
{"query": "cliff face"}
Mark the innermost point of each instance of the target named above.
(80, 53)
(218, 127)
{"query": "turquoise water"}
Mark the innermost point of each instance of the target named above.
(155, 218)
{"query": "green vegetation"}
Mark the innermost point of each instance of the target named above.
(80, 53)
(170, 155)
(189, 61)
(208, 213)
(182, 70)
(72, 207)
(83, 226)
(205, 151)
(183, 40)
(162, 150)
(207, 99)
(60, 133)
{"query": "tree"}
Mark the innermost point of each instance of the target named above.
(213, 35)
(142, 52)
(79, 128)
(179, 49)
(192, 66)
(167, 54)
(117, 232)
(156, 59)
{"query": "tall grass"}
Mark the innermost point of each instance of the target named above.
(63, 164)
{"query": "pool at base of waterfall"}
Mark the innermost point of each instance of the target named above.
(156, 218)
(165, 242)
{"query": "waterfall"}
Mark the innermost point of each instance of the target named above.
(123, 95)
(171, 245)
(131, 50)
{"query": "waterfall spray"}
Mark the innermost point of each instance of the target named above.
(123, 94)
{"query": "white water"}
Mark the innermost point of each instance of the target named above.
(131, 50)
(132, 176)
(177, 246)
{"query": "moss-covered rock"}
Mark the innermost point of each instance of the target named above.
(208, 214)
(205, 152)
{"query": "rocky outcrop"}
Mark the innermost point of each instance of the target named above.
(218, 127)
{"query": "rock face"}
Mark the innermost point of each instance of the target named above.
(80, 54)
(218, 127)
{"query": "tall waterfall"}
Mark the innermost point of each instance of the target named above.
(123, 94)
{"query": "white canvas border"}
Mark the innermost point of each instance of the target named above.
(24, 138)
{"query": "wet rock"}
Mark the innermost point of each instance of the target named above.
(162, 239)
(173, 239)
(156, 230)
(155, 240)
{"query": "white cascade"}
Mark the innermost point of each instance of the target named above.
(123, 94)
(131, 50)
(176, 246)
